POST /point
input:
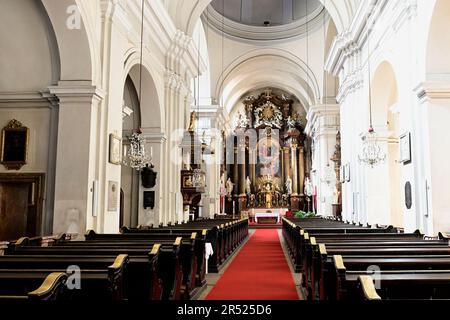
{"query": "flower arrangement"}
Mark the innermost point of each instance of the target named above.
(304, 215)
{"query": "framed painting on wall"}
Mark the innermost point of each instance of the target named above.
(115, 147)
(405, 148)
(14, 145)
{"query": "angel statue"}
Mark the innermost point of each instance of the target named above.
(230, 187)
(248, 186)
(290, 122)
(242, 121)
(308, 187)
(193, 122)
(289, 186)
(223, 193)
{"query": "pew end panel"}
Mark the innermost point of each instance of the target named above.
(52, 289)
(340, 276)
(367, 289)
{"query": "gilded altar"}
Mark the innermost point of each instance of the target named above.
(270, 137)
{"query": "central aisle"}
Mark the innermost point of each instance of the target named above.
(259, 272)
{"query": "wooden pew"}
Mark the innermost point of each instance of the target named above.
(152, 274)
(100, 278)
(190, 254)
(401, 285)
(342, 266)
(32, 285)
(316, 281)
(224, 235)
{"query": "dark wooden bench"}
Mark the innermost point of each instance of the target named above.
(100, 278)
(317, 255)
(401, 285)
(192, 252)
(32, 285)
(154, 271)
(338, 269)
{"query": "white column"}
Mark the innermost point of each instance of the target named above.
(76, 163)
(323, 125)
(435, 100)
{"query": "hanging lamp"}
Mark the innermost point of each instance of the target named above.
(371, 152)
(137, 157)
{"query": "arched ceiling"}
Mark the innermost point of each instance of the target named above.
(185, 13)
(259, 12)
(283, 71)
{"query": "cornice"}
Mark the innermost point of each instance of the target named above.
(32, 99)
(244, 32)
(155, 137)
(73, 91)
(353, 39)
(433, 90)
(318, 112)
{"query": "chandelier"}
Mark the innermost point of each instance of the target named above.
(371, 153)
(136, 155)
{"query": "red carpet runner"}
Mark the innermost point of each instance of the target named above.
(259, 272)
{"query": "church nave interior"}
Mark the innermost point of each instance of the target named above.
(224, 150)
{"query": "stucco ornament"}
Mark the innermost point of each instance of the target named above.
(269, 115)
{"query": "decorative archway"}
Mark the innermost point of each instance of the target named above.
(267, 68)
(384, 182)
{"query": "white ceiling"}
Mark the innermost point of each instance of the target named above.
(256, 12)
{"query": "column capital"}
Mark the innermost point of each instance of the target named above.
(430, 90)
(321, 116)
(76, 91)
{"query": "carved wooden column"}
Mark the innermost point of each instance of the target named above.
(253, 159)
(301, 170)
(242, 201)
(236, 173)
(286, 161)
(295, 202)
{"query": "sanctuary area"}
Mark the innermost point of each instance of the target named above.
(224, 150)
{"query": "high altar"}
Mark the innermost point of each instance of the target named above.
(269, 156)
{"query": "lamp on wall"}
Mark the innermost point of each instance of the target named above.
(371, 153)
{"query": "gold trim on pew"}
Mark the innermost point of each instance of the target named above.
(120, 260)
(222, 226)
(49, 283)
(155, 248)
(339, 263)
(313, 241)
(306, 236)
(204, 232)
(368, 288)
(193, 235)
(322, 249)
(21, 241)
(178, 241)
(302, 232)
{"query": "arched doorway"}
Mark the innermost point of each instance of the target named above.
(147, 115)
(129, 212)
(384, 182)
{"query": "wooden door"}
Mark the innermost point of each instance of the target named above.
(14, 201)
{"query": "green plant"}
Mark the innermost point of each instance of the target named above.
(304, 215)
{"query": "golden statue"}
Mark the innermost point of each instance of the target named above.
(193, 121)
